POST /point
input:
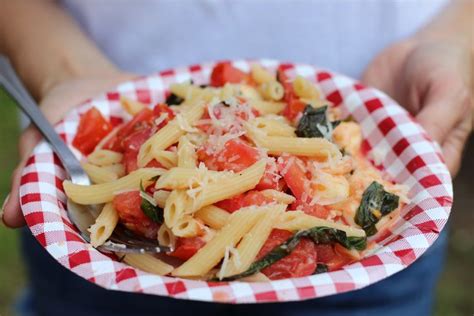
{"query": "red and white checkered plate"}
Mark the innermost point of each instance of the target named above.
(392, 138)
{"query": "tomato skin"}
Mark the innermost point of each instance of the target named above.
(301, 262)
(316, 210)
(187, 247)
(328, 255)
(142, 119)
(161, 108)
(293, 108)
(93, 127)
(293, 174)
(224, 73)
(131, 215)
(243, 200)
(131, 145)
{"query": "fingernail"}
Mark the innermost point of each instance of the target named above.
(3, 206)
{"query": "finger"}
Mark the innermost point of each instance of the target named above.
(12, 215)
(443, 107)
(454, 144)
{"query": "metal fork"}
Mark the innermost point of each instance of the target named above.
(81, 216)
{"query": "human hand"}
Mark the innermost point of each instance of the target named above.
(55, 103)
(431, 78)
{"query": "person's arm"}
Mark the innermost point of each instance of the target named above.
(46, 46)
(431, 74)
(59, 65)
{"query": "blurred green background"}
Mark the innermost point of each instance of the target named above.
(454, 291)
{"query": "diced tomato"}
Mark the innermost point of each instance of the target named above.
(224, 73)
(93, 127)
(287, 85)
(131, 215)
(235, 156)
(245, 199)
(271, 179)
(142, 119)
(131, 145)
(301, 262)
(293, 108)
(187, 247)
(294, 175)
(114, 144)
(328, 255)
(316, 210)
(161, 108)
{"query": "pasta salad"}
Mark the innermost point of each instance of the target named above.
(252, 177)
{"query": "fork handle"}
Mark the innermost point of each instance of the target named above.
(12, 84)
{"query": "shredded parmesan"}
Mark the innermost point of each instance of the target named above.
(161, 118)
(145, 196)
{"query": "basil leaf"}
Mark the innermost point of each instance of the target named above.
(321, 268)
(320, 235)
(173, 99)
(153, 212)
(375, 203)
(315, 123)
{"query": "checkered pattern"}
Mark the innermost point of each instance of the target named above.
(392, 140)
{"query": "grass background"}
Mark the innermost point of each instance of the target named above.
(454, 291)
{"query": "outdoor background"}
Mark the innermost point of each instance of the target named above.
(454, 292)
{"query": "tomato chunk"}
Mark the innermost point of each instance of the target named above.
(301, 262)
(293, 108)
(224, 73)
(93, 127)
(330, 256)
(142, 119)
(187, 247)
(316, 210)
(243, 200)
(160, 109)
(291, 168)
(131, 215)
(131, 145)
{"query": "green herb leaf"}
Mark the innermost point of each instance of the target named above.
(321, 268)
(315, 123)
(375, 203)
(173, 99)
(153, 212)
(320, 235)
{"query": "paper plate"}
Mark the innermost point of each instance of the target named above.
(393, 140)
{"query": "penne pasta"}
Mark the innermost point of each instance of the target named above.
(148, 263)
(116, 168)
(267, 107)
(104, 225)
(187, 178)
(311, 147)
(167, 159)
(278, 196)
(261, 75)
(160, 197)
(104, 192)
(187, 157)
(271, 90)
(298, 220)
(167, 136)
(166, 237)
(99, 174)
(130, 106)
(208, 256)
(213, 216)
(273, 127)
(176, 206)
(187, 226)
(104, 157)
(305, 89)
(253, 241)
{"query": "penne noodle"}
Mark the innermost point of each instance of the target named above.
(278, 196)
(104, 225)
(253, 241)
(213, 216)
(99, 174)
(148, 263)
(267, 107)
(160, 197)
(104, 157)
(104, 192)
(130, 106)
(208, 256)
(298, 220)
